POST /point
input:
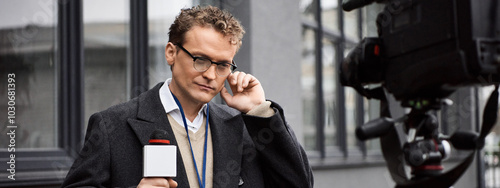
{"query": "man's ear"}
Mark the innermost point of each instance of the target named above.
(170, 53)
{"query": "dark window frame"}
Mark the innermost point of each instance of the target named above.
(48, 167)
(139, 47)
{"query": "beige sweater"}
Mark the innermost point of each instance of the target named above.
(197, 141)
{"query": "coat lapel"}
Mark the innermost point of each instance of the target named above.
(227, 131)
(150, 117)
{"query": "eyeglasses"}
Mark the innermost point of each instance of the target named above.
(202, 64)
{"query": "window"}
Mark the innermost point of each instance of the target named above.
(308, 82)
(28, 55)
(329, 92)
(331, 112)
(107, 62)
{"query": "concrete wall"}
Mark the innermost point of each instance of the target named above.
(272, 51)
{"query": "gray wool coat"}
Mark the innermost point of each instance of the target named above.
(248, 151)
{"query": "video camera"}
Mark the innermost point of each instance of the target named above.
(426, 50)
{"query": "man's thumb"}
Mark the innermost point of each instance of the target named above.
(225, 95)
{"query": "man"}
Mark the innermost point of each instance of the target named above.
(248, 141)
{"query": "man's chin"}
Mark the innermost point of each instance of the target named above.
(205, 97)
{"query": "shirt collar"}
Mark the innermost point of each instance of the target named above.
(168, 102)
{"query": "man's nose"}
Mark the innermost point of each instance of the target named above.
(211, 72)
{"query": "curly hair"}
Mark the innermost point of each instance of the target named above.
(207, 16)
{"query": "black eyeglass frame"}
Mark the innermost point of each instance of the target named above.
(233, 64)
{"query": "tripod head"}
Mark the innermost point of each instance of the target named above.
(425, 148)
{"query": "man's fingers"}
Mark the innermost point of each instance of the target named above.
(240, 80)
(247, 92)
(172, 183)
(157, 182)
(246, 80)
(237, 80)
(234, 78)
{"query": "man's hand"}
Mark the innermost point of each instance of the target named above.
(157, 182)
(247, 92)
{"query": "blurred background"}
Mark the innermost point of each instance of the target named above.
(73, 58)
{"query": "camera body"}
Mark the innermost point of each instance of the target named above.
(428, 48)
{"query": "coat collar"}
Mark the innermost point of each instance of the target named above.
(150, 116)
(226, 127)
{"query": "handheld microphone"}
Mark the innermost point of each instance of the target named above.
(160, 158)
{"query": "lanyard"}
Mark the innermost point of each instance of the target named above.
(202, 183)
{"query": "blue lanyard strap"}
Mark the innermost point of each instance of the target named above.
(202, 183)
